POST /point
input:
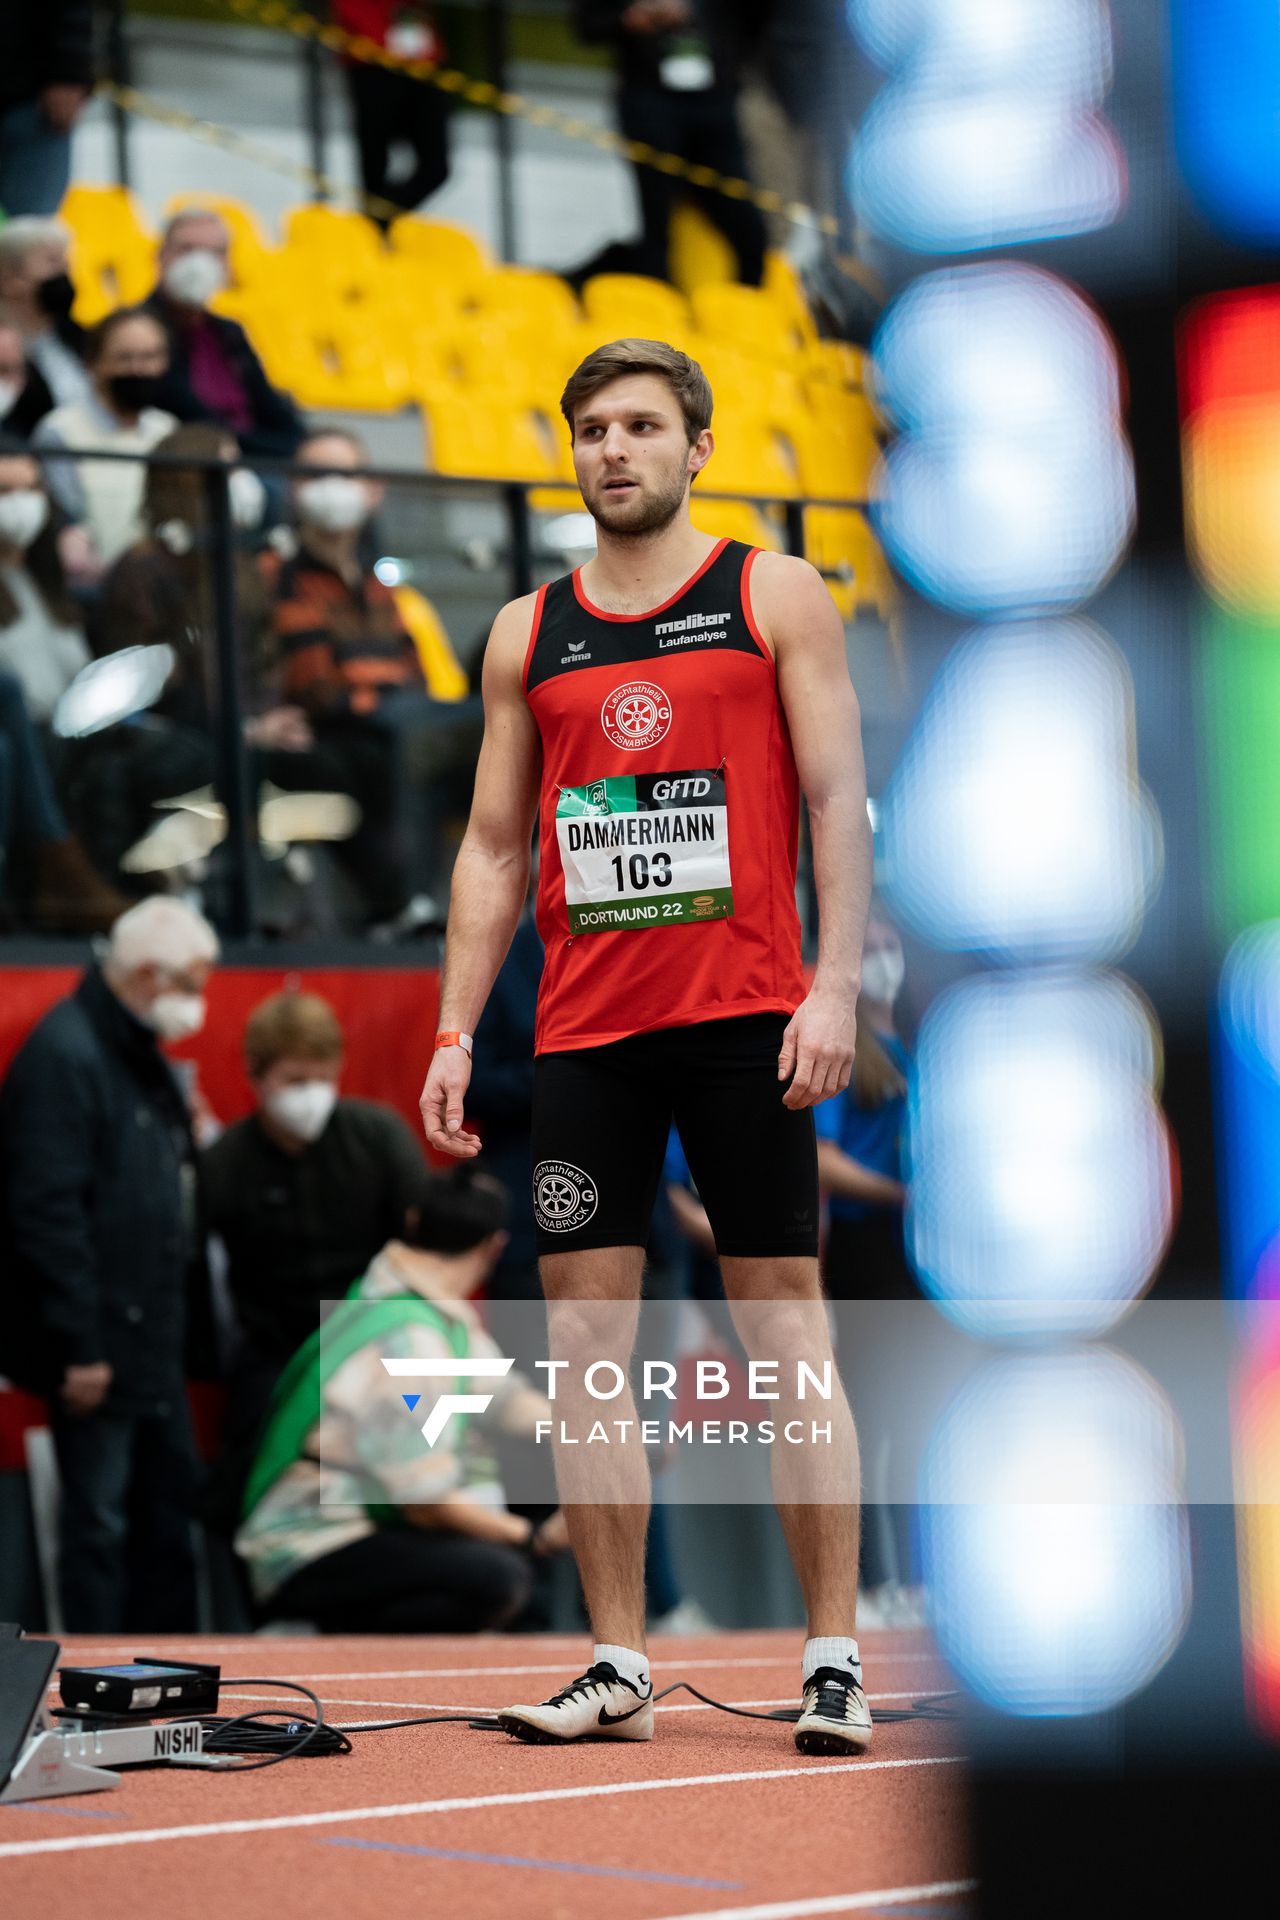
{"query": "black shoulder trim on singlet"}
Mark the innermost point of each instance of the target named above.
(708, 617)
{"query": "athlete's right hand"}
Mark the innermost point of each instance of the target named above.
(442, 1103)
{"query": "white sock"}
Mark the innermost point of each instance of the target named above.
(835, 1650)
(626, 1662)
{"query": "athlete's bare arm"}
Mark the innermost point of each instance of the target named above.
(798, 619)
(491, 873)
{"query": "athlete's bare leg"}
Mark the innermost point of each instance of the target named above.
(780, 1316)
(604, 1490)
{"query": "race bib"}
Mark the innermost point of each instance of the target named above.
(645, 850)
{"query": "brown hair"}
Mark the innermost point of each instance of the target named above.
(178, 493)
(620, 357)
(290, 1026)
(100, 336)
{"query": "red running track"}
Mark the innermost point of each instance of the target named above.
(717, 1817)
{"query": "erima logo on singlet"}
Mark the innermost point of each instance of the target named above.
(687, 632)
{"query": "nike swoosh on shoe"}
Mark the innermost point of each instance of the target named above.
(607, 1719)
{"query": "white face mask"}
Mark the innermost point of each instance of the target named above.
(248, 497)
(9, 391)
(176, 1016)
(303, 1110)
(882, 975)
(193, 278)
(23, 516)
(335, 504)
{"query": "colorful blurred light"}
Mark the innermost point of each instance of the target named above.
(989, 132)
(1011, 487)
(1041, 1192)
(1054, 1541)
(1256, 1436)
(1014, 822)
(1226, 80)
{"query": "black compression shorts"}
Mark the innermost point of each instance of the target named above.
(601, 1117)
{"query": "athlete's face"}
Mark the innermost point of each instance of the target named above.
(632, 455)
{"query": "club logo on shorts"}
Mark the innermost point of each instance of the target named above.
(637, 715)
(564, 1197)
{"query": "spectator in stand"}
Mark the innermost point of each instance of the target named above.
(303, 1194)
(349, 662)
(97, 1173)
(338, 1451)
(41, 641)
(678, 77)
(24, 397)
(393, 109)
(214, 374)
(36, 297)
(45, 78)
(39, 859)
(128, 358)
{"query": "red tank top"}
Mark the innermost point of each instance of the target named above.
(670, 812)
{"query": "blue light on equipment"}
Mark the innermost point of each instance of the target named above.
(1041, 1192)
(1014, 823)
(1248, 1075)
(989, 132)
(1011, 488)
(1054, 1542)
(1226, 82)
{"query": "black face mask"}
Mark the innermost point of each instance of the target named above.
(56, 296)
(134, 391)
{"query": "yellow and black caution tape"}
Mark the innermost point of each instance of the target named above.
(483, 93)
(147, 107)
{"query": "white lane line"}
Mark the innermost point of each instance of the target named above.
(151, 1836)
(831, 1903)
(692, 1661)
(461, 1706)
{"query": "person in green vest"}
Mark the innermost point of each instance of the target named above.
(351, 1519)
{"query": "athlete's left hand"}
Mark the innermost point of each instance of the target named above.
(817, 1048)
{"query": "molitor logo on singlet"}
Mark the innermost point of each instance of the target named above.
(636, 715)
(688, 632)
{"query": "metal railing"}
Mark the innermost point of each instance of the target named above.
(469, 544)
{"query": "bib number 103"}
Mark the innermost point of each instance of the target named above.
(642, 870)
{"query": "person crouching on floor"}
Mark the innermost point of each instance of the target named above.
(350, 1519)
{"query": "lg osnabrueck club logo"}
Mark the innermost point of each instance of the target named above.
(447, 1404)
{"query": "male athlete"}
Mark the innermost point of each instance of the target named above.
(681, 691)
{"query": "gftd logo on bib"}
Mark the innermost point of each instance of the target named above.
(636, 715)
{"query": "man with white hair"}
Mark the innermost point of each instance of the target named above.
(97, 1185)
(36, 297)
(214, 373)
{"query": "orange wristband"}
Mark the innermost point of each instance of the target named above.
(462, 1040)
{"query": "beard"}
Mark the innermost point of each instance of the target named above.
(633, 518)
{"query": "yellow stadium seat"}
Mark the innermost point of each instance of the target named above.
(835, 363)
(735, 520)
(698, 254)
(840, 543)
(540, 301)
(745, 318)
(451, 252)
(105, 216)
(751, 457)
(112, 251)
(837, 448)
(783, 286)
(470, 437)
(445, 678)
(631, 306)
(336, 231)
